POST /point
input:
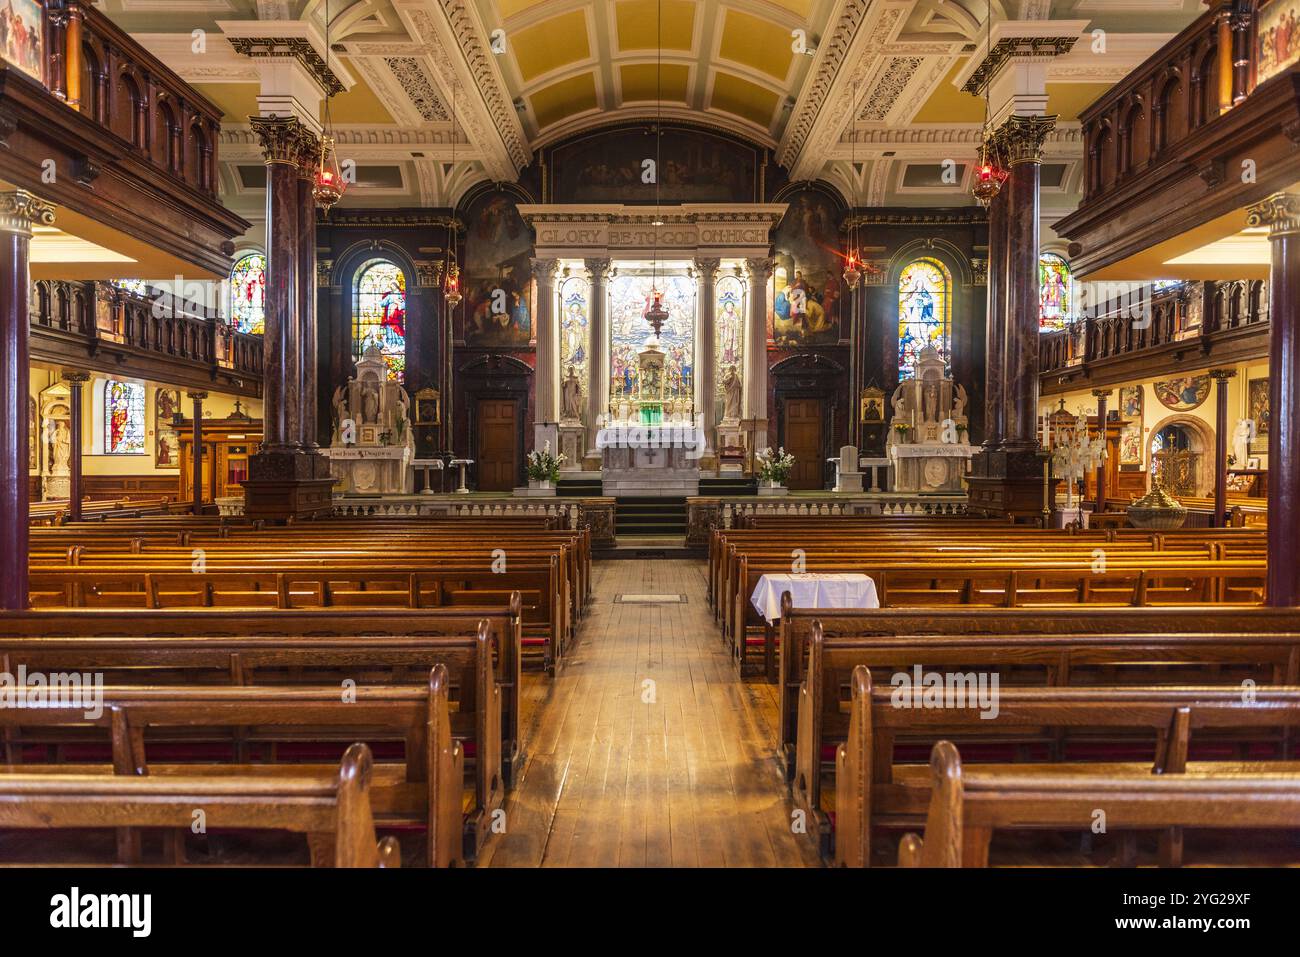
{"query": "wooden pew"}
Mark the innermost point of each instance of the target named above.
(966, 807)
(425, 788)
(312, 661)
(873, 788)
(334, 814)
(505, 625)
(917, 627)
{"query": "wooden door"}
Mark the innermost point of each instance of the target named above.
(803, 440)
(498, 440)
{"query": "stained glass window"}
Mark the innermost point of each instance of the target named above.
(123, 418)
(1055, 297)
(924, 312)
(574, 321)
(248, 294)
(137, 286)
(629, 298)
(379, 315)
(729, 322)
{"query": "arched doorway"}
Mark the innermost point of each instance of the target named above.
(1180, 451)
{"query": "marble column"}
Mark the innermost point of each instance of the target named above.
(1101, 395)
(19, 211)
(597, 349)
(196, 460)
(759, 271)
(1281, 214)
(1221, 428)
(706, 351)
(308, 163)
(281, 139)
(76, 492)
(1021, 138)
(547, 374)
(995, 323)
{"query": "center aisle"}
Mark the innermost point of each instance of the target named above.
(647, 749)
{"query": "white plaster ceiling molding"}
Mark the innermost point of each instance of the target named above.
(218, 63)
(1122, 54)
(824, 104)
(455, 45)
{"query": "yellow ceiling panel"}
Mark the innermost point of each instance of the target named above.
(509, 8)
(736, 95)
(238, 101)
(637, 26)
(756, 42)
(564, 98)
(359, 105)
(1069, 99)
(638, 82)
(550, 44)
(948, 104)
(801, 7)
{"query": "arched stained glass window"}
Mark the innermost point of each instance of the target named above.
(924, 312)
(123, 418)
(1055, 293)
(574, 324)
(137, 286)
(729, 324)
(379, 315)
(248, 294)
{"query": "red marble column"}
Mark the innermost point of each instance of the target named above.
(19, 210)
(995, 324)
(1021, 139)
(1281, 214)
(196, 460)
(1221, 377)
(1101, 395)
(76, 492)
(309, 160)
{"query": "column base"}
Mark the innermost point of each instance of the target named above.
(1010, 485)
(287, 486)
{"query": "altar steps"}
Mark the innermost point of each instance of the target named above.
(579, 487)
(649, 515)
(727, 486)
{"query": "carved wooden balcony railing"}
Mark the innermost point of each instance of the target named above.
(98, 69)
(156, 336)
(1196, 318)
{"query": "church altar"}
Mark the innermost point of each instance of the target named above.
(659, 460)
(927, 432)
(372, 444)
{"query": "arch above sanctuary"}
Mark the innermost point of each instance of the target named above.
(691, 230)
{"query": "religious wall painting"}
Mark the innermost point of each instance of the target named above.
(1279, 37)
(379, 315)
(1055, 293)
(1130, 446)
(21, 36)
(1130, 402)
(924, 313)
(806, 289)
(1183, 393)
(497, 277)
(574, 326)
(1257, 405)
(691, 166)
(33, 460)
(729, 327)
(629, 299)
(248, 294)
(166, 443)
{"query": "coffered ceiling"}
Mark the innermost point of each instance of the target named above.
(862, 93)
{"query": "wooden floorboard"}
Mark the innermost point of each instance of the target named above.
(679, 772)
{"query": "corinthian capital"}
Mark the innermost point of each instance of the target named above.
(1020, 139)
(708, 267)
(597, 269)
(759, 268)
(280, 137)
(1280, 213)
(20, 211)
(544, 270)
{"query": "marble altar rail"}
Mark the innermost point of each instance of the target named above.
(703, 513)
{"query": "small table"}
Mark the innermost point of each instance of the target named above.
(427, 466)
(463, 463)
(810, 590)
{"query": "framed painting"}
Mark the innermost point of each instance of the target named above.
(1130, 446)
(1279, 37)
(1184, 393)
(1130, 401)
(166, 443)
(22, 29)
(1257, 405)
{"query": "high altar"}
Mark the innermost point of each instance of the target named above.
(928, 437)
(372, 443)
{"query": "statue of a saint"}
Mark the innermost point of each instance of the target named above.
(899, 401)
(369, 403)
(731, 390)
(930, 400)
(571, 397)
(1241, 436)
(62, 443)
(959, 403)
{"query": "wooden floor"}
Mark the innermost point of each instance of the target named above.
(646, 749)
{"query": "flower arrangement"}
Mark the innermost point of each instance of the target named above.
(775, 467)
(543, 466)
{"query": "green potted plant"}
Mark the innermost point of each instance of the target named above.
(773, 471)
(544, 468)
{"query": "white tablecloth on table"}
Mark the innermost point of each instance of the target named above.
(811, 590)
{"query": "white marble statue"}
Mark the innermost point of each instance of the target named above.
(731, 389)
(1241, 438)
(62, 443)
(959, 403)
(899, 400)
